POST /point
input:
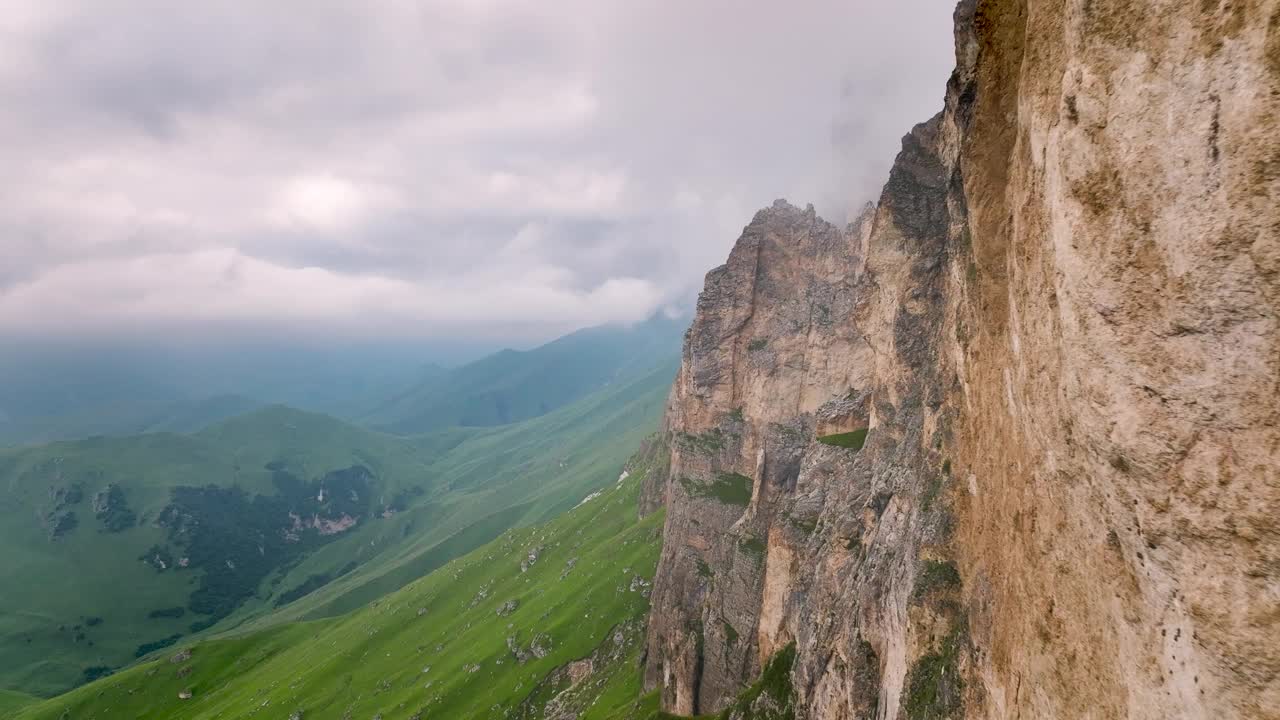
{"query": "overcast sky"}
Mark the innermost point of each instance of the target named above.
(427, 168)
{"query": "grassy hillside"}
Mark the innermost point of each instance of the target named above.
(11, 701)
(543, 617)
(511, 386)
(91, 581)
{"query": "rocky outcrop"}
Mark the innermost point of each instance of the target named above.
(111, 508)
(59, 520)
(568, 691)
(1009, 444)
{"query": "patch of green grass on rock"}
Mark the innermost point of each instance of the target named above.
(752, 546)
(730, 634)
(771, 697)
(709, 442)
(932, 492)
(732, 489)
(802, 524)
(850, 440)
(728, 488)
(934, 685)
(936, 575)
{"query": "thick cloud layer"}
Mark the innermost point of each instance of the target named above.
(464, 168)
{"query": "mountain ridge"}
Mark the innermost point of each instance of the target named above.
(512, 385)
(68, 396)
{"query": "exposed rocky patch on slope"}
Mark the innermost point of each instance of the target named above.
(1045, 367)
(236, 539)
(111, 507)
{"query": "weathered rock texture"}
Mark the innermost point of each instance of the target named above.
(1058, 327)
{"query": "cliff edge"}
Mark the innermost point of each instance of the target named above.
(1007, 446)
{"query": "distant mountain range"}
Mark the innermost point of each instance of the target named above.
(48, 395)
(512, 385)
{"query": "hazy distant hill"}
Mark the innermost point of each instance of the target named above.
(511, 385)
(55, 394)
(68, 394)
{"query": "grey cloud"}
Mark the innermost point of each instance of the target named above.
(570, 158)
(400, 246)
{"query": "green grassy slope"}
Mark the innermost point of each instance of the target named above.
(82, 601)
(11, 701)
(487, 481)
(511, 385)
(490, 634)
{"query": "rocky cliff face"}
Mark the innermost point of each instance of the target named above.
(1008, 445)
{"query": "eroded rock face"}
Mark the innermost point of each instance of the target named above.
(1058, 330)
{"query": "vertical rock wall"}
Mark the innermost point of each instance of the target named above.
(1058, 331)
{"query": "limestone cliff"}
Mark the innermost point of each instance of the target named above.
(1008, 445)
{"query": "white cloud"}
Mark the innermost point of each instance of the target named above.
(170, 290)
(427, 166)
(324, 202)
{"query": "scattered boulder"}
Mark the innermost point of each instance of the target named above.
(184, 694)
(530, 559)
(181, 657)
(541, 645)
(539, 648)
(517, 652)
(508, 607)
(640, 585)
(480, 596)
